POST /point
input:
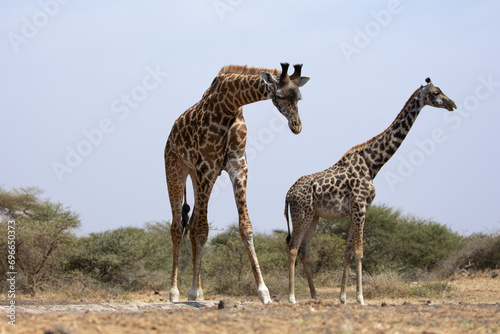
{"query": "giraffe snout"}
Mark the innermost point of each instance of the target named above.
(451, 105)
(295, 126)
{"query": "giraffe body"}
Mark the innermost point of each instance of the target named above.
(210, 137)
(346, 189)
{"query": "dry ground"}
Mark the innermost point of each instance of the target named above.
(472, 306)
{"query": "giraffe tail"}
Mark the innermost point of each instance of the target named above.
(185, 215)
(287, 220)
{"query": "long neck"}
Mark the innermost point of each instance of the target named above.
(381, 148)
(232, 91)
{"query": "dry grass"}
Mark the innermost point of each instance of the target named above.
(391, 285)
(470, 306)
(387, 286)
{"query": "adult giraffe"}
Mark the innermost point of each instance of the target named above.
(346, 189)
(210, 137)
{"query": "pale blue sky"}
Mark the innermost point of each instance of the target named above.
(130, 68)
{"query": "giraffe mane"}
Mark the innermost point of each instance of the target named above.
(238, 69)
(369, 141)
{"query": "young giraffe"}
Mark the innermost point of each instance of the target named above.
(210, 137)
(346, 189)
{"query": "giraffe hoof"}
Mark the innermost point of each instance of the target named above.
(360, 299)
(264, 296)
(291, 300)
(195, 295)
(174, 295)
(342, 299)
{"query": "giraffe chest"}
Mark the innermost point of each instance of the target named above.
(202, 137)
(335, 192)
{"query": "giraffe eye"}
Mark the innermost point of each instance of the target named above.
(435, 93)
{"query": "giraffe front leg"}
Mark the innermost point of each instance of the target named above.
(237, 170)
(359, 281)
(358, 213)
(349, 251)
(262, 290)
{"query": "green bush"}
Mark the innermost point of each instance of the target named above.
(160, 245)
(226, 264)
(132, 257)
(327, 252)
(480, 252)
(404, 243)
(116, 256)
(423, 244)
(228, 269)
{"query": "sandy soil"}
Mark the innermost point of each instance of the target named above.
(473, 306)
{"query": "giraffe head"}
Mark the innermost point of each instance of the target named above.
(285, 93)
(433, 96)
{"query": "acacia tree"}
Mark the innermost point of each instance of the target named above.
(43, 233)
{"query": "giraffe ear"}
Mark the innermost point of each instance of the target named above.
(268, 78)
(303, 81)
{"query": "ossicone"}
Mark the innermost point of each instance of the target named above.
(296, 74)
(284, 71)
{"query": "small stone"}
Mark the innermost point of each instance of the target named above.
(226, 303)
(57, 329)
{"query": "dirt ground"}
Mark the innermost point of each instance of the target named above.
(472, 306)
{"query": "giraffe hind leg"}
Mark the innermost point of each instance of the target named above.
(176, 179)
(304, 254)
(198, 228)
(298, 245)
(292, 251)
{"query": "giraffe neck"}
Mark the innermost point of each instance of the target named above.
(381, 148)
(234, 90)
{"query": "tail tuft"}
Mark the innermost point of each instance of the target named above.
(287, 220)
(185, 218)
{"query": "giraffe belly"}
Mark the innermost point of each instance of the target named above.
(333, 209)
